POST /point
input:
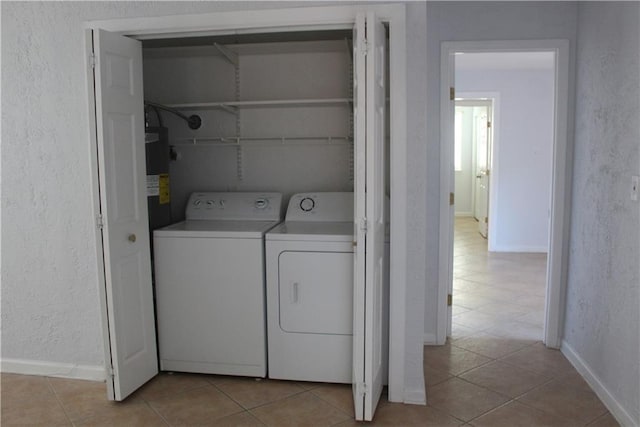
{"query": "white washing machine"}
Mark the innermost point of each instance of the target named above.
(210, 298)
(309, 261)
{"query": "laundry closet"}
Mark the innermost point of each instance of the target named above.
(275, 113)
(269, 113)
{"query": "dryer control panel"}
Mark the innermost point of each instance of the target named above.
(321, 207)
(234, 206)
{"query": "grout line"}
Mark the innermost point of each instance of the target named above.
(55, 394)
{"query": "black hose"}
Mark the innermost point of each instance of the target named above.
(194, 121)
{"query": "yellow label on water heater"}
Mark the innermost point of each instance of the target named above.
(163, 184)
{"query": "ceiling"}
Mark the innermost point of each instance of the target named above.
(504, 60)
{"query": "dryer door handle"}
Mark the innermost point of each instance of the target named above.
(294, 292)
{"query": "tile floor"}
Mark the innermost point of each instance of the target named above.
(494, 371)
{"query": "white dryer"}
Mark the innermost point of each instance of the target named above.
(209, 272)
(309, 261)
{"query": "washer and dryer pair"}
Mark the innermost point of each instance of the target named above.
(210, 287)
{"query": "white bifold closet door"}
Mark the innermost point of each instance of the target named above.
(123, 205)
(369, 117)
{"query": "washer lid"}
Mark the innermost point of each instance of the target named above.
(217, 228)
(313, 231)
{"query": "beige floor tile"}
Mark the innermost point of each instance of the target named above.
(451, 359)
(167, 384)
(250, 392)
(515, 414)
(505, 379)
(535, 318)
(512, 328)
(305, 409)
(396, 414)
(504, 309)
(337, 395)
(491, 345)
(139, 414)
(540, 359)
(568, 397)
(243, 419)
(84, 399)
(463, 400)
(435, 376)
(607, 420)
(21, 387)
(37, 411)
(195, 407)
(477, 319)
(470, 300)
(459, 332)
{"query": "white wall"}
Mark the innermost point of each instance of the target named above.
(521, 173)
(465, 21)
(603, 296)
(50, 306)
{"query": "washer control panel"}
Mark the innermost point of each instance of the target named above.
(321, 207)
(234, 206)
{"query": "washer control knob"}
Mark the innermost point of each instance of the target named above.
(261, 203)
(307, 204)
(197, 202)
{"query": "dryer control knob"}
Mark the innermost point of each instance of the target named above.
(261, 203)
(307, 204)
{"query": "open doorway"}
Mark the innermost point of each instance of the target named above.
(513, 258)
(472, 159)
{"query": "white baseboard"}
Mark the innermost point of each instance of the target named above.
(415, 397)
(616, 409)
(430, 339)
(52, 369)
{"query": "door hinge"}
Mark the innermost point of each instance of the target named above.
(361, 389)
(99, 222)
(92, 60)
(452, 198)
(365, 47)
(110, 373)
(452, 93)
(488, 124)
(363, 225)
(449, 300)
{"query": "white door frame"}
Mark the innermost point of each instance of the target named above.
(560, 186)
(307, 18)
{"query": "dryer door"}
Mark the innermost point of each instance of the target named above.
(316, 292)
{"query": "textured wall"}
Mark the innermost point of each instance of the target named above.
(50, 306)
(603, 298)
(465, 21)
(521, 175)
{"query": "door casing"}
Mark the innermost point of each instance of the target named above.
(276, 20)
(561, 185)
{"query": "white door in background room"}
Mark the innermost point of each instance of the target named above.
(123, 207)
(369, 44)
(482, 142)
